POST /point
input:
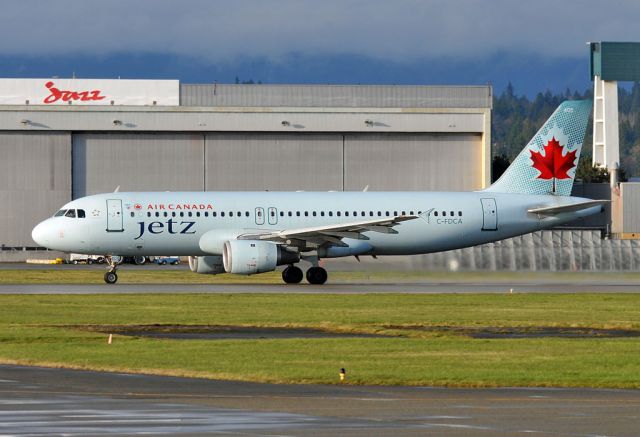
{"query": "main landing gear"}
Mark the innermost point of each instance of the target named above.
(315, 275)
(111, 277)
(292, 275)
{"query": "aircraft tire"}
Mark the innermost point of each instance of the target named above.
(292, 275)
(317, 275)
(110, 277)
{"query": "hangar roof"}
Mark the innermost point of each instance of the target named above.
(336, 96)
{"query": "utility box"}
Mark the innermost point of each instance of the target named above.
(626, 212)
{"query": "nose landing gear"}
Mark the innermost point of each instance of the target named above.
(111, 277)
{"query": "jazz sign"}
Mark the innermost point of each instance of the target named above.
(89, 92)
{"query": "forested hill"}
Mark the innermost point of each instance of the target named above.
(516, 119)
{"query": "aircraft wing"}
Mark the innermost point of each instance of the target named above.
(553, 210)
(332, 234)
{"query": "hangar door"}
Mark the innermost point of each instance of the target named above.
(35, 181)
(413, 162)
(137, 162)
(272, 161)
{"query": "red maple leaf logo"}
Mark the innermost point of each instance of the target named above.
(553, 164)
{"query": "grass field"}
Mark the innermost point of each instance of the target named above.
(55, 330)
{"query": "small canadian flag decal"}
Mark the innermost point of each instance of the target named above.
(552, 164)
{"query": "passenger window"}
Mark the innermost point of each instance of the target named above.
(206, 213)
(281, 213)
(214, 214)
(298, 213)
(346, 213)
(330, 213)
(395, 213)
(197, 214)
(404, 213)
(460, 213)
(387, 214)
(133, 214)
(239, 213)
(338, 213)
(221, 213)
(444, 213)
(379, 214)
(452, 214)
(362, 213)
(230, 213)
(322, 213)
(157, 214)
(435, 213)
(173, 214)
(306, 213)
(313, 213)
(60, 213)
(290, 214)
(81, 213)
(410, 212)
(181, 214)
(148, 214)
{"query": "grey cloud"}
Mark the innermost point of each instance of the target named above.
(399, 30)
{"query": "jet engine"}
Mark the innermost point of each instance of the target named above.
(246, 257)
(211, 265)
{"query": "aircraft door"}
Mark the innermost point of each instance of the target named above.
(114, 215)
(259, 216)
(489, 215)
(273, 216)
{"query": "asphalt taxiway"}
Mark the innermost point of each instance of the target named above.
(38, 401)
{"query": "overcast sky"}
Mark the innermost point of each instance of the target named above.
(395, 30)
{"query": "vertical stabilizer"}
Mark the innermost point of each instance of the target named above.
(547, 165)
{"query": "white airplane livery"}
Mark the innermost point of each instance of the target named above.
(254, 232)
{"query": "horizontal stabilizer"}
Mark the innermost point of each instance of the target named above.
(571, 207)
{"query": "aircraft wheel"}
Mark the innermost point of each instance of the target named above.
(292, 275)
(139, 260)
(110, 277)
(317, 275)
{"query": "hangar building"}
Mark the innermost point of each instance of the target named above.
(61, 139)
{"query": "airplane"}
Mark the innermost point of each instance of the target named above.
(253, 232)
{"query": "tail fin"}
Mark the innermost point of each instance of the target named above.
(547, 165)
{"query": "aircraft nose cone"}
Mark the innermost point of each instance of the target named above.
(40, 234)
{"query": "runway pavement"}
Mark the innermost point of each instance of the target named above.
(38, 401)
(523, 286)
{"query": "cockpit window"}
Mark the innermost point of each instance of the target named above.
(60, 213)
(71, 213)
(81, 213)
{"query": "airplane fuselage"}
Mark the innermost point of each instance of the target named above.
(161, 223)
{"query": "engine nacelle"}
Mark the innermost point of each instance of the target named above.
(211, 265)
(246, 257)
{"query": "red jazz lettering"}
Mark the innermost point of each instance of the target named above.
(67, 96)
